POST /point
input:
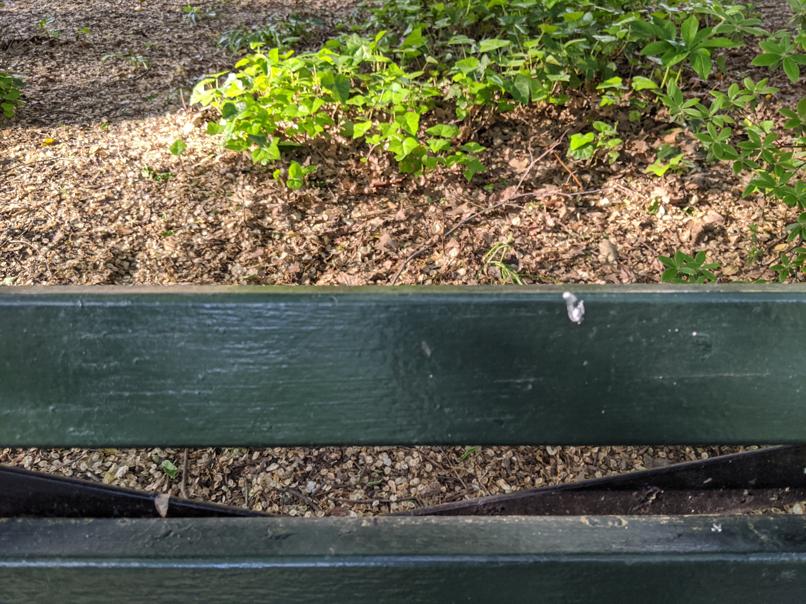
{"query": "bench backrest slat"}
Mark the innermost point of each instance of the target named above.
(272, 366)
(409, 561)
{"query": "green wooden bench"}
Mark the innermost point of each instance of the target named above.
(274, 367)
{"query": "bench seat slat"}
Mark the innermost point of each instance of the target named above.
(296, 366)
(501, 559)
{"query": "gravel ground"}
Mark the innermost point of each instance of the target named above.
(91, 195)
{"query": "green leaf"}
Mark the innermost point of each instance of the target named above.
(178, 147)
(725, 152)
(467, 65)
(342, 88)
(443, 130)
(361, 128)
(614, 82)
(701, 62)
(229, 110)
(169, 468)
(491, 44)
(438, 145)
(765, 60)
(338, 84)
(407, 147)
(643, 29)
(791, 69)
(460, 40)
(579, 140)
(688, 30)
(521, 88)
(656, 49)
(669, 60)
(472, 167)
(265, 154)
(641, 83)
(473, 147)
(296, 176)
(415, 39)
(410, 121)
(720, 43)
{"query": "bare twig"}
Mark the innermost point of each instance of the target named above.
(424, 248)
(246, 492)
(371, 501)
(567, 169)
(777, 255)
(550, 192)
(184, 482)
(305, 499)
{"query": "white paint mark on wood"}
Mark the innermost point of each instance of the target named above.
(575, 307)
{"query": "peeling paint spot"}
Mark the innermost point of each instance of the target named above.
(575, 307)
(162, 502)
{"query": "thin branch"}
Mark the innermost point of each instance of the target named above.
(567, 169)
(371, 501)
(184, 483)
(431, 242)
(305, 499)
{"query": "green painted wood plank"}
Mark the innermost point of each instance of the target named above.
(508, 559)
(295, 366)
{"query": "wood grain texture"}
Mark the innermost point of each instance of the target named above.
(295, 366)
(508, 559)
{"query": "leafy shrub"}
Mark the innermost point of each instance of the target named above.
(780, 50)
(295, 29)
(682, 268)
(460, 57)
(278, 100)
(789, 265)
(422, 74)
(602, 141)
(798, 8)
(194, 14)
(772, 155)
(10, 95)
(667, 158)
(295, 175)
(419, 78)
